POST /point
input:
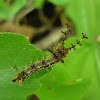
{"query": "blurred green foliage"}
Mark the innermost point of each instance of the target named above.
(39, 3)
(4, 10)
(7, 11)
(77, 79)
(16, 6)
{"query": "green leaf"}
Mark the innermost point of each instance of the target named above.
(84, 63)
(15, 91)
(59, 2)
(16, 7)
(4, 10)
(59, 84)
(39, 3)
(83, 14)
(15, 51)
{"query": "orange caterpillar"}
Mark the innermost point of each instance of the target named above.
(57, 56)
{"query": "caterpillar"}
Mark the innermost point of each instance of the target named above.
(57, 56)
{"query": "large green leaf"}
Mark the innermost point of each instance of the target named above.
(85, 63)
(15, 51)
(59, 85)
(61, 82)
(79, 64)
